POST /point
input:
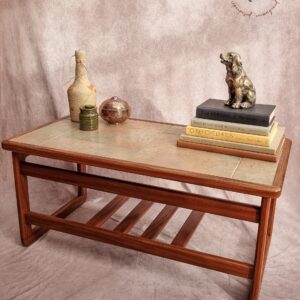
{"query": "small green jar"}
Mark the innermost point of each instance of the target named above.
(88, 118)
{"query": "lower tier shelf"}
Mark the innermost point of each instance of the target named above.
(146, 242)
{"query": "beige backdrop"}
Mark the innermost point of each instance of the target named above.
(161, 56)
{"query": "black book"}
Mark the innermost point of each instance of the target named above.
(213, 109)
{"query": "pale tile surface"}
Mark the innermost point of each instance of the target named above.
(253, 170)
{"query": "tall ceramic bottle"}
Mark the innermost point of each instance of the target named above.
(81, 92)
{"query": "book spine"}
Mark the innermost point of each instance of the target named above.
(229, 126)
(228, 136)
(226, 144)
(232, 117)
(229, 151)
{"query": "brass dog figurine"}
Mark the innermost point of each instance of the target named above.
(242, 93)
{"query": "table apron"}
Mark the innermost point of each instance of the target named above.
(222, 207)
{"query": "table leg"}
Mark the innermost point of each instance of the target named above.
(22, 195)
(81, 168)
(272, 215)
(261, 246)
(270, 228)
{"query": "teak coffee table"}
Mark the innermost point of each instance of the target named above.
(147, 148)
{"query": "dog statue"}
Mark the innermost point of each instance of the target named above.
(242, 93)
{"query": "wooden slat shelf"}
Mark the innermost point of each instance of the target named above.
(174, 252)
(156, 226)
(119, 235)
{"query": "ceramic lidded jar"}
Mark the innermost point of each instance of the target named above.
(114, 110)
(88, 118)
(81, 92)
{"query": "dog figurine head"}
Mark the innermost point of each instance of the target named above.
(232, 61)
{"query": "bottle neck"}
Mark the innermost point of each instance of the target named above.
(80, 70)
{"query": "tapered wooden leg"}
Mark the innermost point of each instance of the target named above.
(81, 168)
(261, 247)
(270, 228)
(22, 199)
(271, 219)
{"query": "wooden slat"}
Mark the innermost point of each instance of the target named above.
(189, 256)
(69, 207)
(159, 223)
(188, 228)
(107, 211)
(133, 217)
(62, 212)
(212, 205)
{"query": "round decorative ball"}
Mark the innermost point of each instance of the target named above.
(114, 110)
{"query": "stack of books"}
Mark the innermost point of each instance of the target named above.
(251, 132)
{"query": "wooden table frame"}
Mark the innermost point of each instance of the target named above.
(262, 214)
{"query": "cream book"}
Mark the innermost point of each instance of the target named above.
(248, 147)
(233, 136)
(229, 126)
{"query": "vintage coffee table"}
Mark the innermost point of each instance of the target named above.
(147, 148)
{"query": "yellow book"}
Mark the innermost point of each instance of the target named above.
(233, 136)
